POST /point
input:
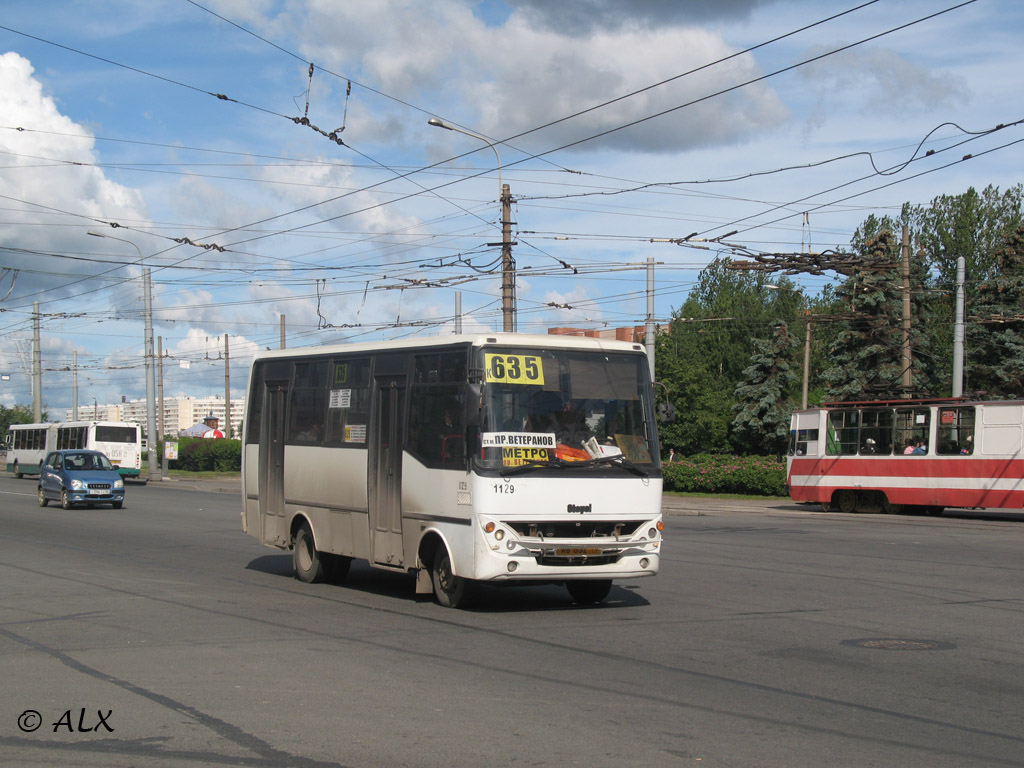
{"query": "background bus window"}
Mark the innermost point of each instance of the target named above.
(308, 403)
(911, 429)
(955, 432)
(876, 432)
(841, 439)
(348, 402)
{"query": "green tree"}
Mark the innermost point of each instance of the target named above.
(710, 342)
(866, 354)
(995, 337)
(764, 403)
(18, 414)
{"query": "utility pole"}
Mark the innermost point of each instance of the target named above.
(282, 331)
(908, 361)
(458, 312)
(508, 286)
(37, 367)
(227, 390)
(151, 430)
(649, 340)
(958, 329)
(161, 425)
(807, 359)
(74, 385)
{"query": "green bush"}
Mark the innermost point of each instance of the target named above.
(753, 475)
(201, 455)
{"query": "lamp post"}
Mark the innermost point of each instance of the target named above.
(151, 431)
(508, 297)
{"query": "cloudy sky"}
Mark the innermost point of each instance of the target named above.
(175, 129)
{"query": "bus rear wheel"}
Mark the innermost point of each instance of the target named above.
(590, 591)
(309, 567)
(450, 590)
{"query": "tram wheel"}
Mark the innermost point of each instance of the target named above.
(889, 508)
(309, 567)
(846, 501)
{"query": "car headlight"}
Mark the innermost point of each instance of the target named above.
(119, 483)
(78, 485)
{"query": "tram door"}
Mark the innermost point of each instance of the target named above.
(385, 470)
(272, 516)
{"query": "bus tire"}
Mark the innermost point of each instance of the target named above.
(43, 501)
(589, 591)
(449, 590)
(309, 567)
(846, 501)
(65, 500)
(934, 511)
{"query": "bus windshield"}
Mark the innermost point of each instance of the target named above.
(552, 406)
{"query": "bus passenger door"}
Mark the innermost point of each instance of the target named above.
(272, 514)
(385, 470)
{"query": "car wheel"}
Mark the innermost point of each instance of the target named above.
(43, 501)
(65, 500)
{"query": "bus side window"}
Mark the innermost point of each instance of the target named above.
(841, 438)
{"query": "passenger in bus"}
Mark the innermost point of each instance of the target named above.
(909, 446)
(968, 447)
(869, 447)
(920, 449)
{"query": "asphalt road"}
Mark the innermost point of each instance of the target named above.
(774, 636)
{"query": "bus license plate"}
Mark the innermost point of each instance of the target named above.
(576, 551)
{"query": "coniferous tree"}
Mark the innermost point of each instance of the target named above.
(764, 404)
(995, 348)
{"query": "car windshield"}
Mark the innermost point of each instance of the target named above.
(556, 406)
(83, 462)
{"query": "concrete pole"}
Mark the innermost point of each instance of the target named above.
(458, 312)
(650, 315)
(958, 329)
(74, 385)
(807, 360)
(282, 331)
(37, 367)
(508, 291)
(161, 426)
(227, 390)
(151, 429)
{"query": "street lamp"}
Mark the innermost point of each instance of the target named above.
(147, 283)
(508, 298)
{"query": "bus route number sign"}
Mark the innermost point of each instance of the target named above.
(514, 369)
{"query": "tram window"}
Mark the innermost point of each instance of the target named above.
(910, 432)
(876, 432)
(955, 432)
(841, 439)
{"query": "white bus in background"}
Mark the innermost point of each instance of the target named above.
(28, 446)
(119, 440)
(498, 458)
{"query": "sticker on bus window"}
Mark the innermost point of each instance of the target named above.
(355, 433)
(518, 457)
(517, 439)
(341, 398)
(634, 448)
(513, 369)
(340, 373)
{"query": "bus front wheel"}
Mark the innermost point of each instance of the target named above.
(589, 591)
(308, 565)
(450, 590)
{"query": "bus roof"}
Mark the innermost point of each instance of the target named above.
(540, 341)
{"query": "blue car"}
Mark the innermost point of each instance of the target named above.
(80, 477)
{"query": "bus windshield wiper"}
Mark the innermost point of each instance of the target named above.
(532, 464)
(619, 461)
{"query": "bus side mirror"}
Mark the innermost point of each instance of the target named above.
(666, 412)
(471, 405)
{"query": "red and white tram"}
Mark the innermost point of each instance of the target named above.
(912, 455)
